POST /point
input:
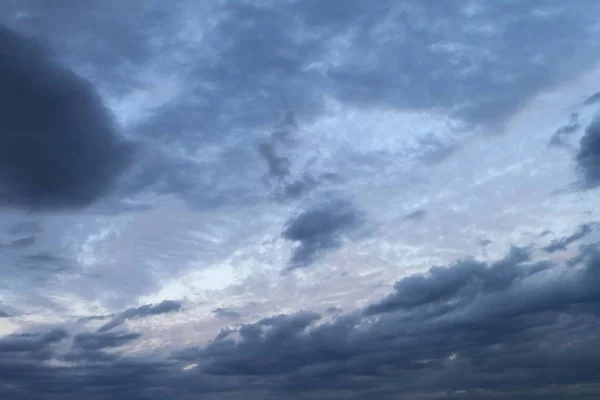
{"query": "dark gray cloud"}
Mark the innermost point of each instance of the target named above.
(588, 156)
(562, 243)
(545, 233)
(514, 328)
(83, 320)
(255, 47)
(45, 262)
(497, 326)
(464, 279)
(103, 340)
(289, 178)
(90, 348)
(334, 310)
(279, 165)
(417, 215)
(21, 243)
(320, 229)
(593, 99)
(59, 148)
(562, 133)
(4, 314)
(147, 310)
(25, 227)
(433, 150)
(226, 313)
(37, 346)
(80, 355)
(485, 242)
(223, 334)
(109, 39)
(257, 60)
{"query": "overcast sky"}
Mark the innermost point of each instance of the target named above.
(299, 199)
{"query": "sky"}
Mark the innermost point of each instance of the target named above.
(299, 199)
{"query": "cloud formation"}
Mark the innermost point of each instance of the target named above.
(226, 313)
(59, 148)
(36, 346)
(416, 215)
(393, 98)
(103, 340)
(147, 310)
(459, 328)
(588, 156)
(25, 227)
(562, 243)
(20, 243)
(562, 133)
(516, 325)
(319, 229)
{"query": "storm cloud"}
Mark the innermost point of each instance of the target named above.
(562, 243)
(38, 345)
(147, 310)
(416, 215)
(320, 229)
(103, 340)
(515, 325)
(588, 156)
(59, 148)
(375, 243)
(562, 133)
(25, 227)
(226, 313)
(21, 243)
(458, 329)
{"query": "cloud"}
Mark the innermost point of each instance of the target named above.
(320, 229)
(588, 156)
(498, 326)
(83, 320)
(247, 49)
(466, 279)
(280, 330)
(518, 327)
(433, 149)
(417, 215)
(99, 341)
(559, 137)
(90, 356)
(470, 329)
(485, 242)
(562, 243)
(44, 261)
(37, 345)
(147, 310)
(60, 148)
(21, 243)
(226, 313)
(25, 227)
(279, 165)
(300, 55)
(112, 41)
(593, 99)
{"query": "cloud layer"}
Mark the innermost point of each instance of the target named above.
(513, 327)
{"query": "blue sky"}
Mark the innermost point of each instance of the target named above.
(299, 199)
